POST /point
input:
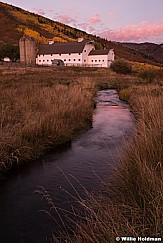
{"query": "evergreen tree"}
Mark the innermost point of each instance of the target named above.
(9, 50)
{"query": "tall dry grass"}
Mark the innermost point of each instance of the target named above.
(131, 204)
(43, 107)
(38, 114)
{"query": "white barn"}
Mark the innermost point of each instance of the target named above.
(80, 53)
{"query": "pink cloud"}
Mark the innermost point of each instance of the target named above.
(91, 29)
(111, 13)
(40, 11)
(65, 19)
(95, 19)
(83, 25)
(86, 27)
(143, 32)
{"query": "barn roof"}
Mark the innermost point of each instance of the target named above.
(63, 48)
(99, 52)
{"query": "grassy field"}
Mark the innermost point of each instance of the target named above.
(39, 111)
(41, 108)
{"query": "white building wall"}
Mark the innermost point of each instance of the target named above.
(111, 57)
(101, 60)
(78, 59)
(98, 60)
(87, 49)
(6, 59)
(68, 59)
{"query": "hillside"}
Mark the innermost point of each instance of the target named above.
(17, 22)
(148, 50)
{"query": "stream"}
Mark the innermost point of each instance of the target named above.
(65, 174)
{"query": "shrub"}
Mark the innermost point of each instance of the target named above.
(149, 75)
(9, 50)
(125, 94)
(121, 66)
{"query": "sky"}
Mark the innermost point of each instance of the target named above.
(115, 20)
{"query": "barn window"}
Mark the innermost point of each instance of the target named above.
(69, 60)
(47, 60)
(99, 60)
(60, 54)
(95, 60)
(92, 60)
(84, 60)
(74, 60)
(79, 60)
(69, 53)
(51, 54)
(103, 60)
(64, 60)
(84, 50)
(43, 60)
(39, 60)
(79, 53)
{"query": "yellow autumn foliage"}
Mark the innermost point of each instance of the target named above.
(58, 39)
(57, 31)
(25, 17)
(47, 27)
(138, 66)
(35, 34)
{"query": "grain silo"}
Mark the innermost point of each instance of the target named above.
(27, 47)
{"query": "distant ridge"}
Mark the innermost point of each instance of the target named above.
(17, 22)
(148, 50)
